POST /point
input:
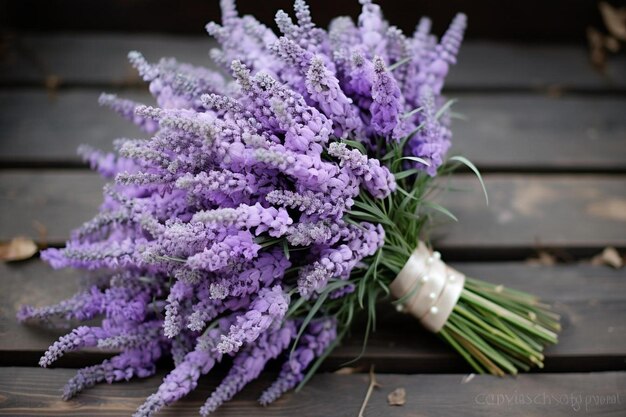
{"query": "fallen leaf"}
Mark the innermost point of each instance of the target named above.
(614, 19)
(611, 44)
(19, 248)
(397, 397)
(543, 259)
(597, 53)
(347, 370)
(609, 256)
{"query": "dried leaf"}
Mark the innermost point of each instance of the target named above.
(609, 256)
(597, 53)
(347, 370)
(19, 248)
(397, 397)
(611, 44)
(614, 19)
(543, 259)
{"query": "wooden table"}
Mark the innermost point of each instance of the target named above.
(548, 133)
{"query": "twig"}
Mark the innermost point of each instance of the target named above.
(370, 389)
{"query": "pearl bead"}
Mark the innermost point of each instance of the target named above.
(432, 295)
(434, 310)
(451, 278)
(424, 279)
(436, 255)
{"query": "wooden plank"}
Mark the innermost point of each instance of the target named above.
(35, 392)
(530, 132)
(100, 59)
(39, 129)
(93, 59)
(533, 66)
(502, 132)
(591, 300)
(558, 211)
(519, 21)
(525, 212)
(58, 201)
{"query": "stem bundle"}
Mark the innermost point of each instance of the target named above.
(500, 330)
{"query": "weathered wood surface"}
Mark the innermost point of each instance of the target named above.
(36, 392)
(92, 59)
(518, 22)
(590, 299)
(538, 107)
(41, 129)
(525, 212)
(502, 132)
(563, 211)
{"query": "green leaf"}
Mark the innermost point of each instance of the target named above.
(471, 166)
(355, 144)
(286, 248)
(403, 174)
(445, 107)
(373, 210)
(389, 155)
(369, 217)
(294, 306)
(458, 116)
(414, 159)
(398, 63)
(411, 113)
(440, 209)
(315, 308)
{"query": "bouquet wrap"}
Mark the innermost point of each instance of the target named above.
(429, 289)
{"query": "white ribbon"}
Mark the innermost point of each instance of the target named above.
(433, 288)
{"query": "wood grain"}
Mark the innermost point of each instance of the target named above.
(502, 132)
(39, 129)
(562, 211)
(58, 201)
(582, 212)
(100, 59)
(591, 300)
(520, 22)
(36, 392)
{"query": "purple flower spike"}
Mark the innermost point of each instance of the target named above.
(386, 106)
(312, 344)
(248, 365)
(267, 310)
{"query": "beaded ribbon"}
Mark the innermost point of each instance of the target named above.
(428, 287)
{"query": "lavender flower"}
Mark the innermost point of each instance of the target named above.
(78, 338)
(184, 378)
(82, 306)
(312, 344)
(386, 105)
(139, 362)
(265, 311)
(249, 364)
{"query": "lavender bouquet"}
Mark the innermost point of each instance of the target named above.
(267, 210)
